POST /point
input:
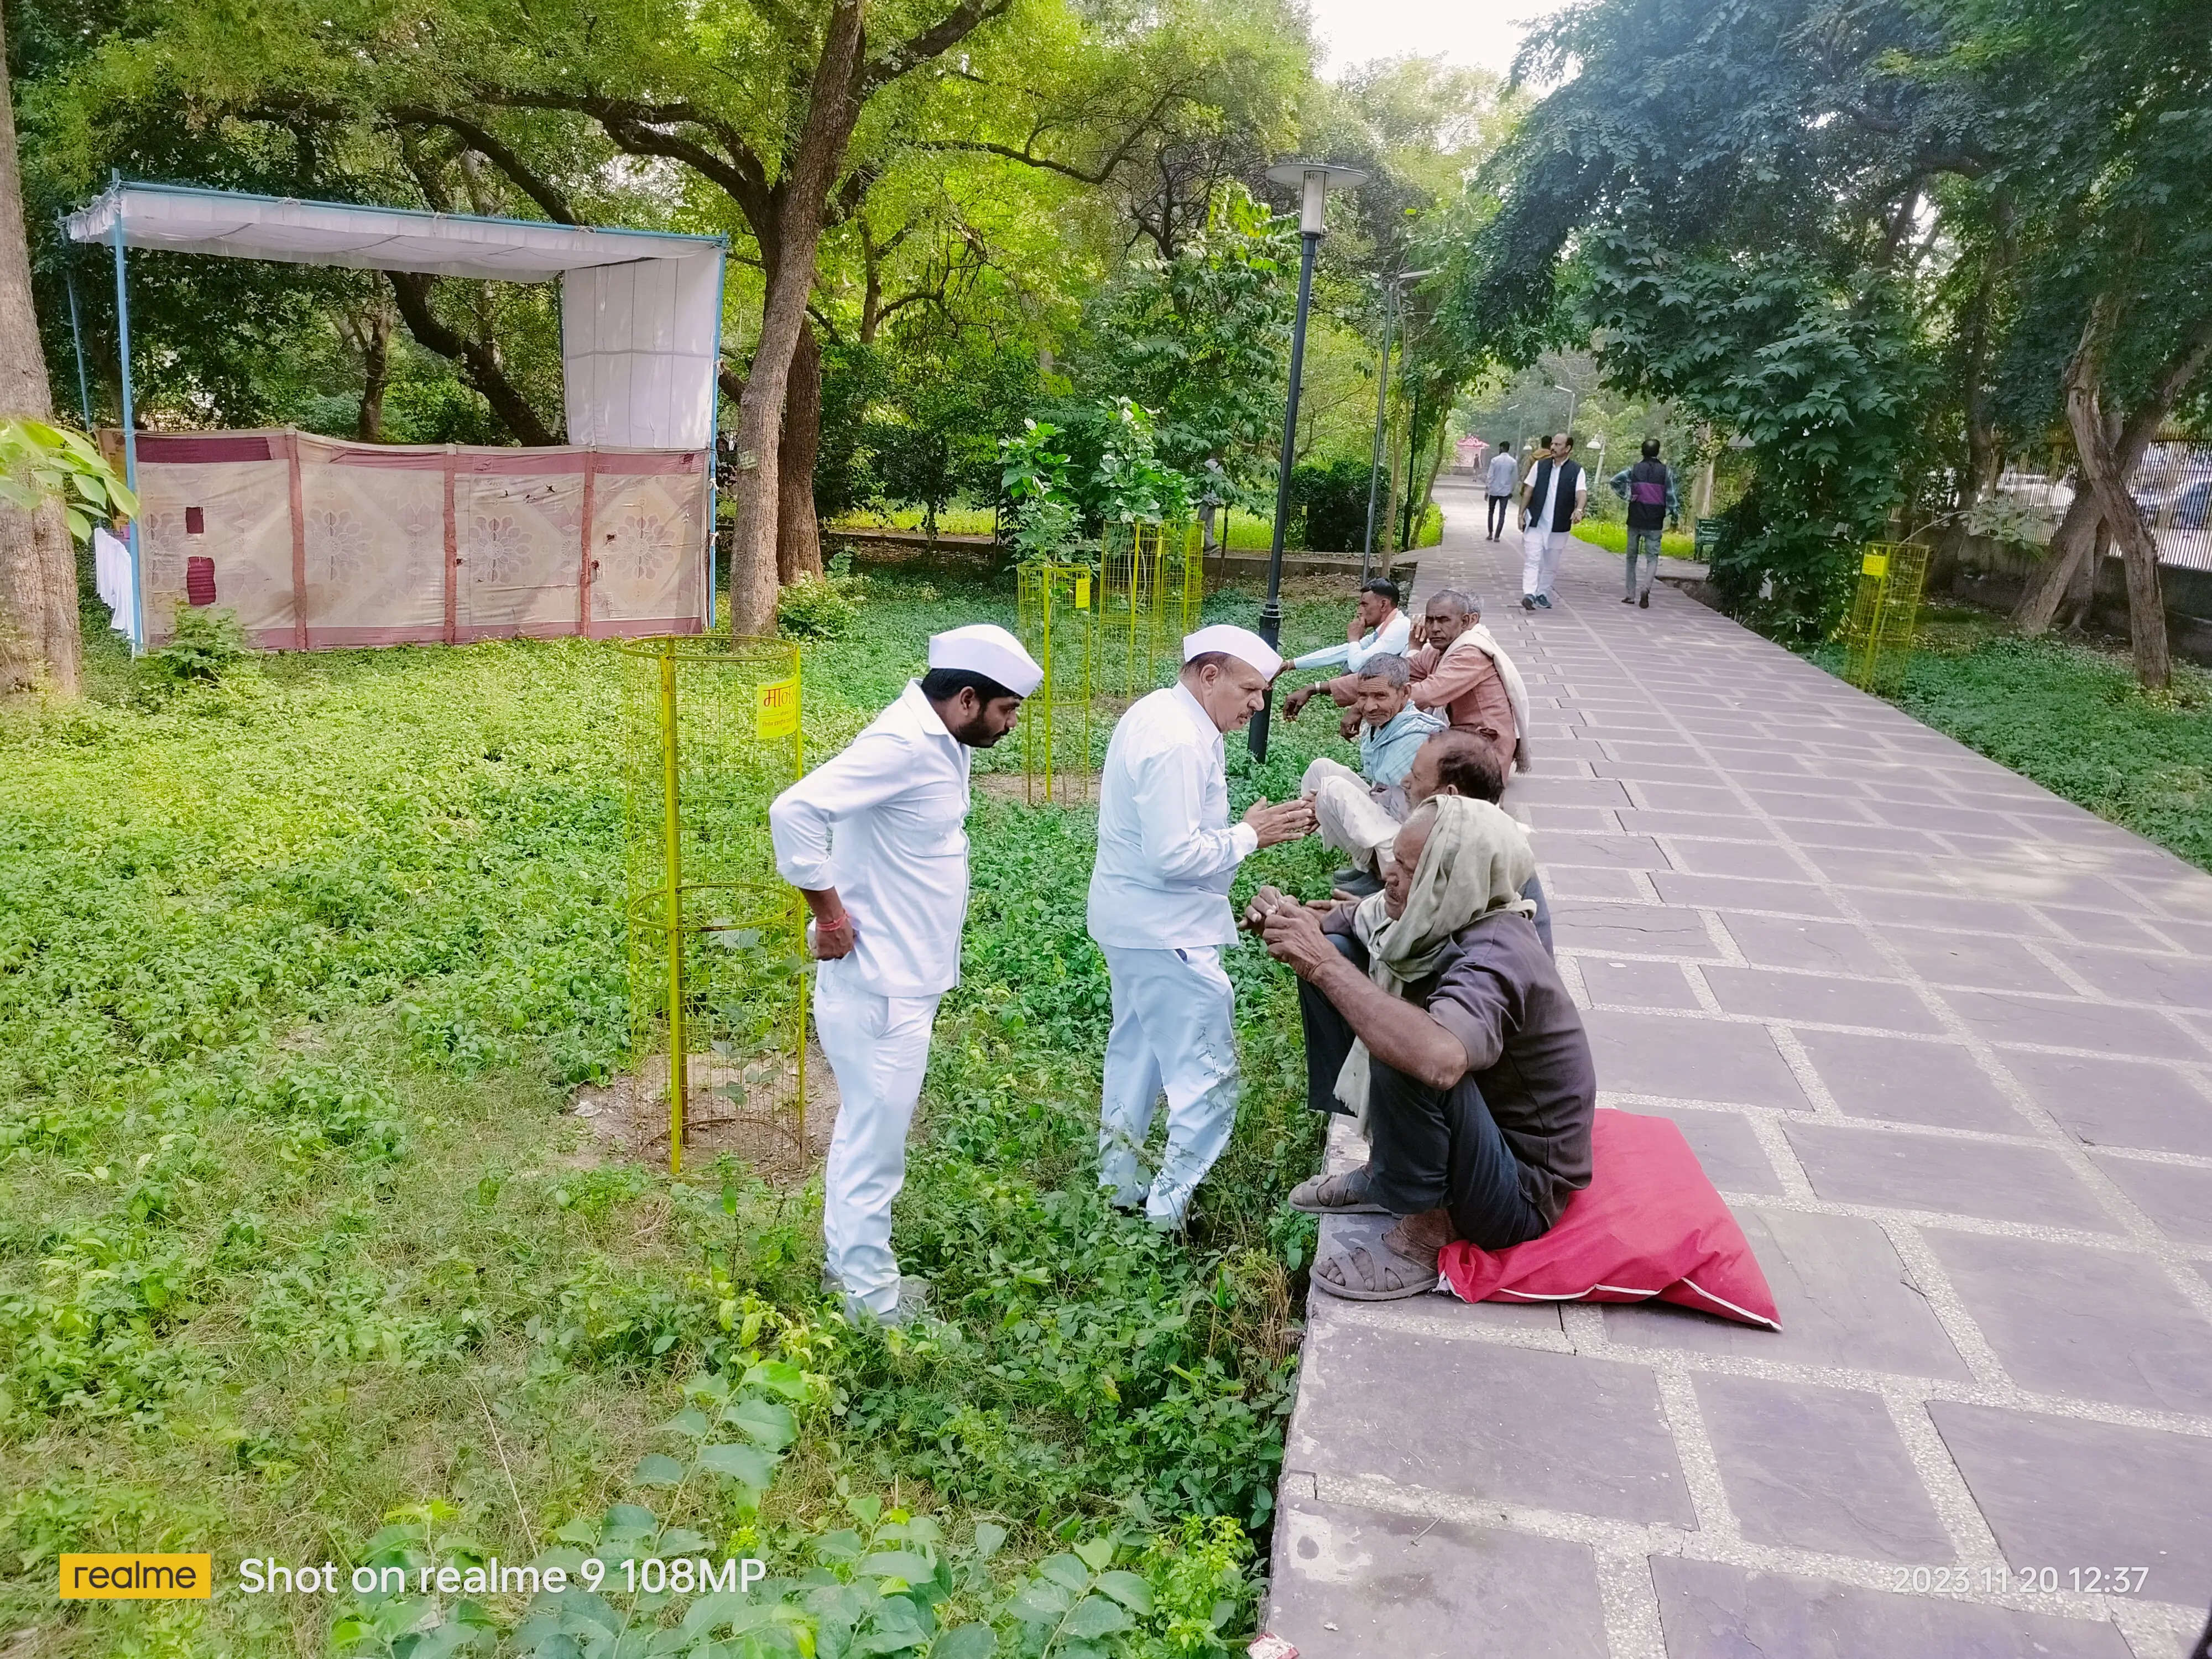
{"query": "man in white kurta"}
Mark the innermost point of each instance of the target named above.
(1159, 912)
(877, 840)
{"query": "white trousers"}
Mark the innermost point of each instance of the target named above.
(1351, 822)
(1174, 1028)
(1540, 558)
(878, 1048)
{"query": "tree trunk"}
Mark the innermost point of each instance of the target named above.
(2100, 468)
(376, 362)
(477, 361)
(832, 110)
(798, 532)
(39, 641)
(2081, 602)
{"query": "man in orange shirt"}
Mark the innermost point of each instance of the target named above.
(1457, 671)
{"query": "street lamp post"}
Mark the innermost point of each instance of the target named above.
(1392, 287)
(1573, 398)
(1313, 180)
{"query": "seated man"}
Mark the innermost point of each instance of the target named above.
(1459, 672)
(1390, 730)
(1364, 824)
(1460, 1037)
(1378, 629)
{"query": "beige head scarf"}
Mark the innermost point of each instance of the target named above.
(1477, 859)
(1517, 694)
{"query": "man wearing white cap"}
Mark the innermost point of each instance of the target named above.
(1159, 911)
(877, 842)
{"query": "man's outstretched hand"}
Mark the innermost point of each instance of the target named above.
(1295, 703)
(1276, 824)
(1294, 938)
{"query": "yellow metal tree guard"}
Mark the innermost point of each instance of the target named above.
(716, 940)
(1152, 583)
(1057, 619)
(1878, 636)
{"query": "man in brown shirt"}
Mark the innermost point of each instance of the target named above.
(1452, 674)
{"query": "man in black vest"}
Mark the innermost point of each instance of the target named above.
(1648, 487)
(1551, 505)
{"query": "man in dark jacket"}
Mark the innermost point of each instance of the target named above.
(1648, 487)
(1551, 506)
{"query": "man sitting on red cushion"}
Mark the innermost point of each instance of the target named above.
(1471, 1059)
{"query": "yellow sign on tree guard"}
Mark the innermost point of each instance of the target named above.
(717, 947)
(1059, 630)
(1878, 636)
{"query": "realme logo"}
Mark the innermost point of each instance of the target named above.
(124, 1578)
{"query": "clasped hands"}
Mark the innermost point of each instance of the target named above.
(1292, 931)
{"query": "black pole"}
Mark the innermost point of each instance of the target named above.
(1271, 614)
(1375, 459)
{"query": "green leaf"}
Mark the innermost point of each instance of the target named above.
(779, 1376)
(765, 1420)
(898, 1564)
(1097, 1552)
(655, 1469)
(1042, 1603)
(690, 1421)
(1131, 1591)
(749, 1464)
(990, 1538)
(1095, 1615)
(976, 1641)
(1067, 1571)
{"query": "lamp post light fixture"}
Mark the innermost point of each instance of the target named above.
(1393, 287)
(1314, 179)
(1573, 398)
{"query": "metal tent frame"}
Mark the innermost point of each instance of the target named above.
(648, 304)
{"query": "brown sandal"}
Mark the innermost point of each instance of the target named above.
(1335, 1194)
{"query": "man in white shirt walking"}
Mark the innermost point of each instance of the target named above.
(1553, 503)
(877, 842)
(1159, 912)
(1504, 475)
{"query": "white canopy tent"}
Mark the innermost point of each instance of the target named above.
(640, 310)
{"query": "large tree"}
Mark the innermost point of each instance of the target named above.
(39, 640)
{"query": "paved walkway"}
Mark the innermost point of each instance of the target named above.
(1944, 1042)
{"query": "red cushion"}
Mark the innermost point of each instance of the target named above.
(1649, 1225)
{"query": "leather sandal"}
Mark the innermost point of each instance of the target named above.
(1335, 1194)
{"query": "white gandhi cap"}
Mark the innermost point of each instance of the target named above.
(987, 649)
(1240, 643)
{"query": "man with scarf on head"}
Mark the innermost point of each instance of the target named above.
(1461, 1043)
(1458, 670)
(876, 841)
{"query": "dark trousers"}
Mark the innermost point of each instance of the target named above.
(1499, 506)
(1430, 1148)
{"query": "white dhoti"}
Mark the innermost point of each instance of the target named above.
(1540, 558)
(1351, 820)
(879, 1048)
(1174, 1028)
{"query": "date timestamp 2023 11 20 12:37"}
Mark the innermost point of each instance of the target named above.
(1995, 1581)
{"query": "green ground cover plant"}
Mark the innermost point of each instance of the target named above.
(2071, 717)
(301, 959)
(1613, 538)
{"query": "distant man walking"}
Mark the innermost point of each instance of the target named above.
(1648, 487)
(875, 839)
(1504, 473)
(1159, 912)
(1551, 503)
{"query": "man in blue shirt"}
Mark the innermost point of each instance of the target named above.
(1391, 730)
(1648, 487)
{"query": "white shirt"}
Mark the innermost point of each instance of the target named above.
(1501, 475)
(1166, 852)
(1393, 639)
(885, 824)
(1541, 517)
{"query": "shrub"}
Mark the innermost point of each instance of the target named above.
(1331, 503)
(820, 607)
(205, 648)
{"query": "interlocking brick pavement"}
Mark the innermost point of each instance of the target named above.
(1944, 1042)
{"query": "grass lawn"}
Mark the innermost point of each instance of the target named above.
(302, 1257)
(1248, 532)
(1613, 538)
(2073, 719)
